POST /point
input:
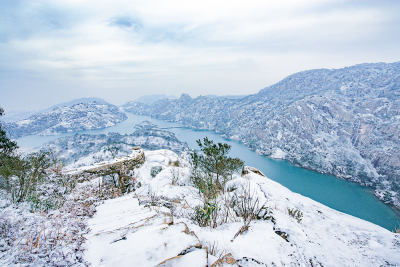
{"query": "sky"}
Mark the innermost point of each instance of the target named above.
(53, 51)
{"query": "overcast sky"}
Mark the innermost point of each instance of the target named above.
(57, 50)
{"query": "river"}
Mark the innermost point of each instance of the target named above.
(339, 194)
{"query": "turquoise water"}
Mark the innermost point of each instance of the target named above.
(338, 194)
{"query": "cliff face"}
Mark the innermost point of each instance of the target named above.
(344, 122)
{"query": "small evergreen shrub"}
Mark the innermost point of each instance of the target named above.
(175, 163)
(155, 170)
(206, 215)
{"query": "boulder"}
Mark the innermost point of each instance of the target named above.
(249, 169)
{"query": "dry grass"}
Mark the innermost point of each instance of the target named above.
(215, 250)
(296, 213)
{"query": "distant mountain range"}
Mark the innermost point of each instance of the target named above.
(344, 122)
(150, 99)
(77, 115)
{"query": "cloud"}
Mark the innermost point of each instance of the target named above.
(126, 22)
(124, 49)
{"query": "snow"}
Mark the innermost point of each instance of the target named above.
(53, 238)
(123, 233)
(235, 137)
(278, 154)
(128, 232)
(70, 170)
(24, 122)
(279, 136)
(153, 226)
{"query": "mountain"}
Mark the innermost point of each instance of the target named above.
(150, 99)
(13, 116)
(344, 122)
(77, 115)
(83, 100)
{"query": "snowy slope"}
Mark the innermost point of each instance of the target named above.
(153, 226)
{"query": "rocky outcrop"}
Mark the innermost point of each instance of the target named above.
(249, 169)
(120, 166)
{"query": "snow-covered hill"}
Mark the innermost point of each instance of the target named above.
(155, 225)
(75, 116)
(344, 122)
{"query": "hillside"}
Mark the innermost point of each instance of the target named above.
(344, 122)
(154, 224)
(84, 114)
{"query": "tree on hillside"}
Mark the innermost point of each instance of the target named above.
(6, 145)
(213, 160)
(211, 169)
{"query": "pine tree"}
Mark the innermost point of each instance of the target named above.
(6, 145)
(213, 160)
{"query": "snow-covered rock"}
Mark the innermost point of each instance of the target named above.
(123, 233)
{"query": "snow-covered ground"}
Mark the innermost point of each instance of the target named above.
(152, 226)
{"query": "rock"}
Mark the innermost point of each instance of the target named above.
(282, 234)
(249, 169)
(227, 259)
(119, 165)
